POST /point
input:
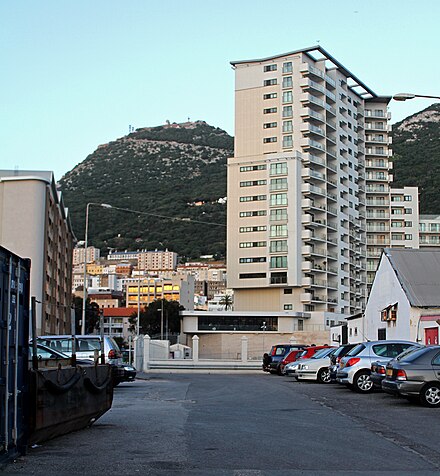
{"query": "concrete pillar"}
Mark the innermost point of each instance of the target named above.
(244, 349)
(137, 354)
(146, 357)
(195, 340)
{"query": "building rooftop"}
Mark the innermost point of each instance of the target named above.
(418, 271)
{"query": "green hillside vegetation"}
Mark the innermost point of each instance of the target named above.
(416, 150)
(164, 171)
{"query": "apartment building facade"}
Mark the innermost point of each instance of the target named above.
(299, 187)
(429, 231)
(92, 254)
(34, 223)
(157, 260)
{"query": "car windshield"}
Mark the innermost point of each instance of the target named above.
(356, 350)
(322, 353)
(279, 350)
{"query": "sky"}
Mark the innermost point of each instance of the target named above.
(77, 74)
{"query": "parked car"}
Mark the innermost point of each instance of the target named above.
(355, 368)
(336, 357)
(416, 376)
(277, 354)
(51, 357)
(317, 367)
(292, 368)
(292, 356)
(378, 370)
(86, 345)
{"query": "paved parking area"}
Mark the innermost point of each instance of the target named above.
(245, 425)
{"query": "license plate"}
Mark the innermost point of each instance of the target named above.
(389, 372)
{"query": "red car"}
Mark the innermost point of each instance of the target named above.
(302, 354)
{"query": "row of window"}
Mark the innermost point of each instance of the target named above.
(287, 111)
(276, 214)
(435, 227)
(276, 246)
(287, 67)
(275, 261)
(287, 82)
(277, 168)
(275, 277)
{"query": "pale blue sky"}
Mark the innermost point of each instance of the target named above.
(76, 74)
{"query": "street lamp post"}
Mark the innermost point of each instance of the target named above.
(406, 96)
(83, 316)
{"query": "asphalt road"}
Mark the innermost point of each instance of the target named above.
(244, 425)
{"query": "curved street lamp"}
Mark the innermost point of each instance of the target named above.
(406, 96)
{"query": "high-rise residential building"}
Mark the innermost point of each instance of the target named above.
(157, 260)
(35, 224)
(302, 182)
(93, 254)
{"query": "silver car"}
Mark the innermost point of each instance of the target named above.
(316, 368)
(355, 368)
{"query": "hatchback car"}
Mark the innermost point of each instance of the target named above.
(416, 376)
(87, 346)
(336, 357)
(277, 354)
(317, 367)
(355, 368)
(293, 368)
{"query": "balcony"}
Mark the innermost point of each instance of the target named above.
(312, 174)
(309, 70)
(313, 159)
(312, 100)
(308, 128)
(330, 96)
(313, 189)
(308, 84)
(330, 81)
(312, 144)
(330, 109)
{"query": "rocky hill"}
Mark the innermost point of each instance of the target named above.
(176, 171)
(416, 150)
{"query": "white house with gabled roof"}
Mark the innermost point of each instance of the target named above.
(404, 301)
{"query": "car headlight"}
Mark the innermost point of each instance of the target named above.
(305, 367)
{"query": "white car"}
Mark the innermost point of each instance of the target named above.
(316, 368)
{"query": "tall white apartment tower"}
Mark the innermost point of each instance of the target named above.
(298, 185)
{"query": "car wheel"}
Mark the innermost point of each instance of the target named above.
(324, 375)
(430, 395)
(362, 382)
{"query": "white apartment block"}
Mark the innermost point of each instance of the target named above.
(93, 254)
(311, 158)
(429, 231)
(392, 224)
(157, 260)
(35, 224)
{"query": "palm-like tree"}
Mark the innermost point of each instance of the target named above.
(226, 301)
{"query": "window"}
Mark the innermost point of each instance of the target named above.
(269, 110)
(269, 125)
(397, 236)
(287, 82)
(407, 198)
(278, 199)
(249, 229)
(287, 97)
(287, 67)
(270, 67)
(249, 168)
(251, 183)
(270, 82)
(408, 211)
(252, 275)
(408, 224)
(234, 323)
(278, 262)
(252, 244)
(287, 111)
(301, 323)
(268, 140)
(278, 214)
(278, 246)
(434, 227)
(253, 213)
(287, 126)
(288, 141)
(278, 230)
(396, 211)
(396, 224)
(259, 259)
(288, 291)
(254, 198)
(278, 278)
(278, 168)
(278, 184)
(408, 237)
(288, 307)
(270, 96)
